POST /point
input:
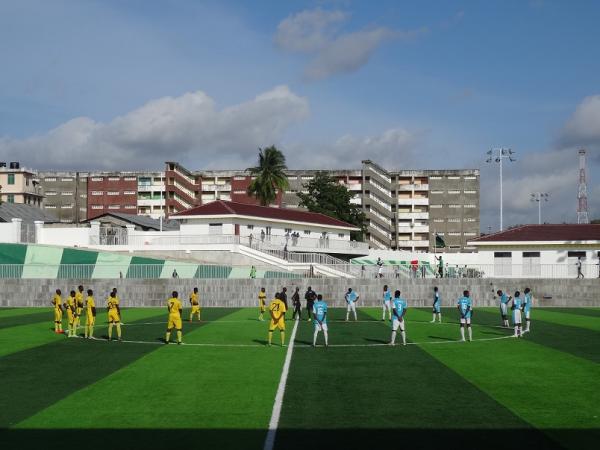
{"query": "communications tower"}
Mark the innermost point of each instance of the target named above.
(582, 206)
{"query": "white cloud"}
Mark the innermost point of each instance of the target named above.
(189, 128)
(583, 128)
(393, 148)
(318, 33)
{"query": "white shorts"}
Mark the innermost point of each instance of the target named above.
(465, 320)
(503, 309)
(319, 327)
(516, 315)
(387, 305)
(351, 307)
(397, 323)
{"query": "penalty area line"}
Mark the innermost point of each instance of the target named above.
(274, 423)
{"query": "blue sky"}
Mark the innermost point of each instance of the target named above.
(128, 84)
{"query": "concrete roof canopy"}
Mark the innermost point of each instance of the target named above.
(544, 233)
(27, 213)
(144, 222)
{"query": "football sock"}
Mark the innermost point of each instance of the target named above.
(440, 317)
(91, 334)
(119, 330)
(516, 331)
(178, 335)
(393, 337)
(462, 333)
(347, 315)
(110, 325)
(270, 337)
(167, 336)
(55, 327)
(326, 338)
(315, 337)
(403, 337)
(282, 335)
(191, 316)
(470, 333)
(433, 319)
(355, 318)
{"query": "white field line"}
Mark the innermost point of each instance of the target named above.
(271, 433)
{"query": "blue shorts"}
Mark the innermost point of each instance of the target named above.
(436, 308)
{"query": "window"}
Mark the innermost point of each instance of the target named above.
(129, 192)
(502, 263)
(114, 206)
(127, 179)
(66, 179)
(50, 179)
(341, 235)
(435, 178)
(215, 228)
(239, 192)
(453, 192)
(470, 178)
(50, 206)
(239, 178)
(576, 254)
(437, 192)
(112, 193)
(10, 198)
(130, 207)
(66, 207)
(454, 178)
(454, 219)
(435, 206)
(50, 193)
(470, 192)
(288, 230)
(453, 233)
(454, 206)
(97, 207)
(470, 206)
(470, 219)
(438, 220)
(66, 193)
(97, 192)
(531, 264)
(250, 227)
(470, 234)
(11, 178)
(307, 178)
(83, 195)
(97, 178)
(65, 220)
(113, 178)
(307, 232)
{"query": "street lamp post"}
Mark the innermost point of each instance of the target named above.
(539, 197)
(497, 155)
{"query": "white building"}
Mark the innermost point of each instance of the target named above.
(540, 250)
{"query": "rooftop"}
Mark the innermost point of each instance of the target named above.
(546, 232)
(27, 213)
(227, 208)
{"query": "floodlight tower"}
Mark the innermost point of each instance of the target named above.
(582, 207)
(497, 155)
(539, 197)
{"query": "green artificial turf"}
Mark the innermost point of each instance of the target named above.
(217, 390)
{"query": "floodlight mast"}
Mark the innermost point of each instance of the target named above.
(539, 197)
(497, 155)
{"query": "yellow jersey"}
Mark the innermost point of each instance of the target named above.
(174, 306)
(79, 299)
(277, 308)
(194, 299)
(70, 303)
(57, 301)
(262, 299)
(112, 303)
(89, 304)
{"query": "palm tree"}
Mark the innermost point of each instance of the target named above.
(269, 175)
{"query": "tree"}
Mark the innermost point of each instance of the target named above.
(595, 221)
(326, 196)
(270, 176)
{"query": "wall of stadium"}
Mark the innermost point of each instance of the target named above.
(242, 292)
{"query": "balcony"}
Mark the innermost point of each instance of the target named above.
(413, 215)
(412, 243)
(216, 187)
(413, 187)
(413, 201)
(413, 229)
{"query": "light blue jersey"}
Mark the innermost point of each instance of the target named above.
(319, 310)
(387, 296)
(437, 301)
(504, 298)
(464, 305)
(351, 297)
(527, 303)
(399, 307)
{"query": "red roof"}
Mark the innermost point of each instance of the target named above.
(549, 232)
(227, 208)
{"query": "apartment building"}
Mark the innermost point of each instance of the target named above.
(19, 185)
(151, 198)
(112, 192)
(65, 195)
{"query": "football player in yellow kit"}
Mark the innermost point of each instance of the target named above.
(195, 302)
(90, 314)
(277, 311)
(175, 309)
(58, 313)
(71, 313)
(114, 315)
(78, 306)
(262, 301)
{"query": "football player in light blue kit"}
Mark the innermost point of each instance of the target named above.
(517, 306)
(465, 308)
(437, 305)
(387, 302)
(351, 298)
(320, 315)
(504, 299)
(527, 303)
(398, 313)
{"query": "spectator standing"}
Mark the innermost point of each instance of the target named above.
(310, 297)
(578, 265)
(253, 272)
(297, 305)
